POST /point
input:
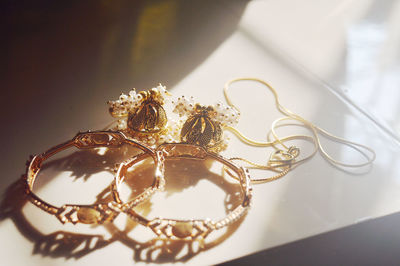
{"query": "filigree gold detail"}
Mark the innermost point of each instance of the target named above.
(150, 116)
(200, 129)
(204, 124)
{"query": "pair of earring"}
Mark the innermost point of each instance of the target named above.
(143, 116)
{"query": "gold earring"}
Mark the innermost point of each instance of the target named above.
(204, 124)
(142, 116)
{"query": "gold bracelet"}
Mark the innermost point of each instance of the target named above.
(194, 228)
(71, 213)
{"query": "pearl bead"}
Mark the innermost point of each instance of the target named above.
(132, 93)
(123, 97)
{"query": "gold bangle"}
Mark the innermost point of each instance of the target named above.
(194, 228)
(71, 213)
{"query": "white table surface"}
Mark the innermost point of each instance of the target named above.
(334, 62)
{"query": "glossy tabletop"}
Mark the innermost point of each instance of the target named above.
(336, 63)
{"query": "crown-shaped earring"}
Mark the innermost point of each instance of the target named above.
(142, 116)
(204, 124)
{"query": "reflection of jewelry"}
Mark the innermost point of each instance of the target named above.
(87, 214)
(195, 228)
(204, 125)
(143, 117)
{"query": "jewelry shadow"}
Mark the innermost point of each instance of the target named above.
(66, 244)
(57, 244)
(82, 164)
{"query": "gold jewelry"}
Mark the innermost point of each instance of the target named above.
(204, 124)
(291, 159)
(71, 213)
(158, 183)
(176, 228)
(200, 129)
(141, 116)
